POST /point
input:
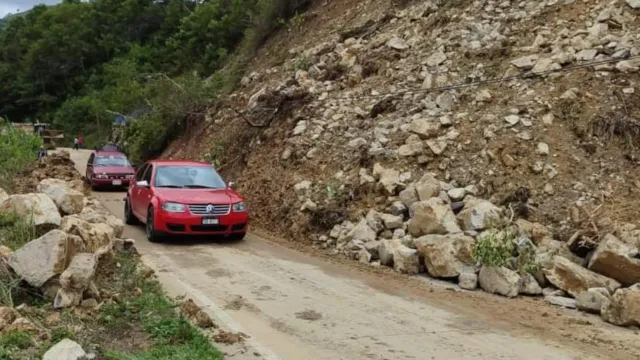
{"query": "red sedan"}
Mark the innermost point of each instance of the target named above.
(184, 198)
(109, 169)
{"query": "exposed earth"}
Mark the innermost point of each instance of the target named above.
(298, 303)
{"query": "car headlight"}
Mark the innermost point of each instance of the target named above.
(102, 176)
(173, 207)
(240, 207)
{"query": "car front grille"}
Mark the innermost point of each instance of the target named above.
(201, 209)
(117, 176)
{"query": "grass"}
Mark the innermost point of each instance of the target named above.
(12, 345)
(15, 230)
(172, 336)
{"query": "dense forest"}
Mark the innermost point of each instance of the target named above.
(79, 63)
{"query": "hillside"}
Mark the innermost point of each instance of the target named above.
(346, 112)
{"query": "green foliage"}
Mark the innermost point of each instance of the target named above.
(174, 337)
(16, 340)
(17, 149)
(499, 245)
(301, 62)
(15, 230)
(214, 155)
(495, 247)
(60, 333)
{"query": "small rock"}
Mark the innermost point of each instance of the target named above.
(543, 149)
(561, 301)
(357, 143)
(392, 222)
(478, 213)
(512, 119)
(525, 62)
(397, 44)
(436, 59)
(530, 286)
(586, 55)
(634, 4)
(65, 350)
(468, 281)
(457, 194)
(432, 216)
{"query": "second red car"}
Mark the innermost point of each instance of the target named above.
(109, 169)
(184, 198)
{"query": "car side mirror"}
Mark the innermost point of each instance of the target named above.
(142, 184)
(231, 185)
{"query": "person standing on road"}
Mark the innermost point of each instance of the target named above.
(76, 143)
(81, 141)
(42, 153)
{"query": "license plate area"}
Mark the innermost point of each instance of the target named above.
(117, 182)
(210, 221)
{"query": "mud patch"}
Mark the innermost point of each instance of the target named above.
(229, 338)
(217, 273)
(310, 315)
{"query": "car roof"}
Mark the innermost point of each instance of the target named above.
(179, 163)
(109, 152)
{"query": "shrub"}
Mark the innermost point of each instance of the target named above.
(17, 149)
(500, 246)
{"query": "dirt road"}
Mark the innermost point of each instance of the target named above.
(296, 306)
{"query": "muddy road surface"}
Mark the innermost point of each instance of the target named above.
(294, 305)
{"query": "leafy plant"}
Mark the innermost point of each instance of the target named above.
(301, 62)
(495, 247)
(16, 339)
(214, 155)
(17, 149)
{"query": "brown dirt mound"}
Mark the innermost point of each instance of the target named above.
(57, 165)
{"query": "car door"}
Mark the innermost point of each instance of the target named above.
(145, 193)
(89, 172)
(134, 191)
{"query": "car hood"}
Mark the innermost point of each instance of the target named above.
(113, 170)
(198, 196)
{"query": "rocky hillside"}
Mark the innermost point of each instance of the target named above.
(490, 143)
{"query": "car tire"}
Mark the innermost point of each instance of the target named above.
(129, 218)
(152, 235)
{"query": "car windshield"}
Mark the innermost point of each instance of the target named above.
(194, 177)
(111, 161)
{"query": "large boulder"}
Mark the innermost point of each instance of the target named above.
(43, 258)
(499, 280)
(75, 280)
(102, 216)
(623, 309)
(574, 279)
(65, 350)
(446, 256)
(613, 259)
(402, 258)
(97, 238)
(68, 200)
(478, 214)
(362, 232)
(592, 300)
(388, 179)
(432, 216)
(3, 195)
(39, 207)
(427, 187)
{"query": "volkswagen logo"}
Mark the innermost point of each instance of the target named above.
(209, 208)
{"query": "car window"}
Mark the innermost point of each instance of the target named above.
(111, 161)
(140, 174)
(147, 174)
(188, 177)
(90, 162)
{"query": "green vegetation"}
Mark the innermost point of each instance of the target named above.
(79, 64)
(15, 230)
(173, 336)
(498, 246)
(17, 149)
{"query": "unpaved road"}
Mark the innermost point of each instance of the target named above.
(296, 306)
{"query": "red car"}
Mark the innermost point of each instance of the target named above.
(184, 198)
(109, 169)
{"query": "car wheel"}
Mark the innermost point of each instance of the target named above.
(129, 218)
(150, 230)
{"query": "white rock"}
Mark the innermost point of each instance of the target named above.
(478, 213)
(634, 4)
(424, 128)
(3, 195)
(592, 300)
(623, 309)
(39, 207)
(427, 187)
(457, 194)
(529, 286)
(561, 301)
(43, 258)
(65, 350)
(302, 187)
(586, 55)
(300, 128)
(392, 222)
(525, 62)
(545, 66)
(437, 146)
(468, 281)
(446, 256)
(374, 220)
(445, 101)
(432, 216)
(75, 280)
(389, 179)
(397, 44)
(362, 232)
(616, 260)
(357, 143)
(543, 149)
(499, 280)
(436, 59)
(512, 119)
(574, 279)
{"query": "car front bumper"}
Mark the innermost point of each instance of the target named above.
(188, 224)
(109, 182)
